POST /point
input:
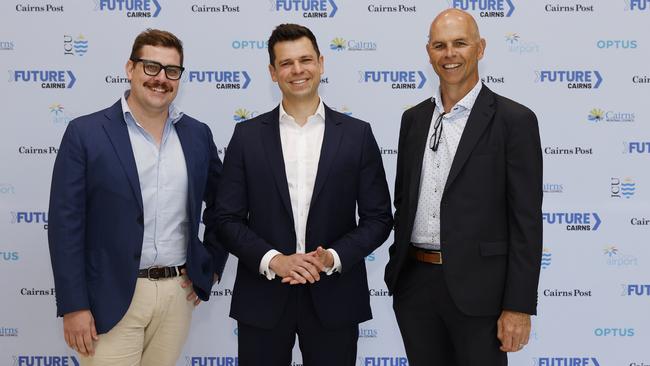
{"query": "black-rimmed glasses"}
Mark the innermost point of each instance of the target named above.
(152, 68)
(434, 141)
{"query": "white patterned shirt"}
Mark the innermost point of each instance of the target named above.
(436, 166)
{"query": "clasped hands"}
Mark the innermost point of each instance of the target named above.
(300, 268)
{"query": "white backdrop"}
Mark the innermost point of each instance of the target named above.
(581, 66)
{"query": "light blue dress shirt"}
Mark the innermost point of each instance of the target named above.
(163, 182)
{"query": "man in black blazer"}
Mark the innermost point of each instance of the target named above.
(464, 267)
(293, 180)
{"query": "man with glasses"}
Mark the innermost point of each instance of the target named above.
(465, 264)
(125, 206)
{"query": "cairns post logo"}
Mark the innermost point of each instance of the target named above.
(516, 45)
(565, 361)
(573, 221)
(131, 8)
(485, 8)
(573, 79)
(47, 79)
(242, 114)
(211, 361)
(397, 79)
(620, 188)
(307, 8)
(615, 258)
(637, 5)
(23, 360)
(340, 44)
(546, 258)
(234, 79)
(75, 46)
(597, 115)
(636, 147)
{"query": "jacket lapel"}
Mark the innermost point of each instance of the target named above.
(272, 144)
(417, 139)
(117, 132)
(331, 143)
(188, 146)
(479, 119)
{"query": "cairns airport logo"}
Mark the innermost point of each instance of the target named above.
(58, 114)
(599, 115)
(45, 360)
(48, 79)
(485, 8)
(615, 258)
(25, 217)
(397, 79)
(516, 45)
(308, 8)
(132, 8)
(637, 5)
(573, 221)
(75, 46)
(622, 187)
(566, 361)
(573, 79)
(220, 79)
(340, 44)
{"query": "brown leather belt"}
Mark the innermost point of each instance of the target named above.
(156, 273)
(426, 256)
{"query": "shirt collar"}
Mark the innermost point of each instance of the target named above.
(320, 111)
(466, 103)
(174, 113)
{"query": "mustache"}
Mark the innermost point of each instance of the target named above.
(157, 84)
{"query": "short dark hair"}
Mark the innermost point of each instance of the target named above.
(290, 32)
(156, 37)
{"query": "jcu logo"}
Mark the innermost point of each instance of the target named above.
(625, 187)
(45, 361)
(75, 46)
(546, 258)
(637, 5)
(47, 79)
(485, 8)
(308, 8)
(132, 8)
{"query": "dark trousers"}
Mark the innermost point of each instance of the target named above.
(320, 346)
(434, 331)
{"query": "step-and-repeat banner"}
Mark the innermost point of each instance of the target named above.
(581, 65)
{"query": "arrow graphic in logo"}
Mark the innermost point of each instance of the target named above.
(72, 79)
(423, 79)
(511, 6)
(247, 79)
(334, 8)
(599, 79)
(155, 2)
(598, 221)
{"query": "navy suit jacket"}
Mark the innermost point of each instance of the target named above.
(254, 214)
(96, 216)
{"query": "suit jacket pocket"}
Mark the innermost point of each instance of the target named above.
(489, 248)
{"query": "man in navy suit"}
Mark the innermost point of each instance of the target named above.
(293, 180)
(125, 206)
(465, 264)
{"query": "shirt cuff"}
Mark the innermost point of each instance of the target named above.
(265, 270)
(337, 263)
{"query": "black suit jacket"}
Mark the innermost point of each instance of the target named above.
(254, 215)
(490, 214)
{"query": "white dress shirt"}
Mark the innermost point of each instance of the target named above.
(301, 146)
(162, 173)
(436, 166)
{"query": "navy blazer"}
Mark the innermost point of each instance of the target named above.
(491, 207)
(254, 214)
(96, 216)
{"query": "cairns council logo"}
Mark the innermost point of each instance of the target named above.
(75, 46)
(132, 9)
(306, 8)
(599, 115)
(243, 114)
(485, 8)
(340, 44)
